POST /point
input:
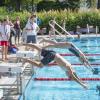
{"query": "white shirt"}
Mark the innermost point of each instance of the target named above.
(31, 28)
(5, 31)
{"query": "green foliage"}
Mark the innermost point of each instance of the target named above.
(19, 5)
(72, 19)
(56, 5)
(23, 15)
(45, 5)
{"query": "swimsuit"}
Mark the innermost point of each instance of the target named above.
(48, 56)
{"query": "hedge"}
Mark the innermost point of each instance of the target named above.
(72, 19)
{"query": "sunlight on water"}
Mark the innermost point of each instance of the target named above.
(66, 90)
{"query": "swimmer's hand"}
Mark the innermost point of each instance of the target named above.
(81, 56)
(77, 79)
(85, 61)
(85, 86)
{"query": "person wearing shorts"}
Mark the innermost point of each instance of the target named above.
(4, 34)
(72, 48)
(31, 39)
(31, 28)
(48, 56)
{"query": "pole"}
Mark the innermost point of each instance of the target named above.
(32, 5)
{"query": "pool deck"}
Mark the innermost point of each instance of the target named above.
(6, 80)
(82, 35)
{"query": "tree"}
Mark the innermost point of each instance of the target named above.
(34, 4)
(93, 3)
(17, 5)
(1, 2)
(89, 3)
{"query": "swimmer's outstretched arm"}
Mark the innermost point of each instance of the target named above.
(48, 41)
(81, 56)
(56, 44)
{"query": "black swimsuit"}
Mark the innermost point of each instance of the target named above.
(48, 56)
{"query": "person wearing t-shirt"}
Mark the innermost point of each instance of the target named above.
(31, 28)
(4, 35)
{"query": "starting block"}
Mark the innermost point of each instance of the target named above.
(11, 67)
(27, 54)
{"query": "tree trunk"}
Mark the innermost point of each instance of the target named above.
(93, 3)
(18, 5)
(2, 3)
(32, 5)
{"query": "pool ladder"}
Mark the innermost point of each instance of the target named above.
(52, 24)
(28, 70)
(12, 91)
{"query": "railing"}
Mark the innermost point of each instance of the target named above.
(12, 89)
(16, 88)
(52, 23)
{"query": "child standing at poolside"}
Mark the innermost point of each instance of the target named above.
(4, 35)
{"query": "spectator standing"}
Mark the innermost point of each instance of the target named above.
(12, 31)
(32, 29)
(4, 34)
(17, 29)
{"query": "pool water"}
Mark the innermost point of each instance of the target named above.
(67, 90)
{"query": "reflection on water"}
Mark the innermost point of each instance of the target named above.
(67, 90)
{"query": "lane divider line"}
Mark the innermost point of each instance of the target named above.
(65, 79)
(53, 64)
(85, 54)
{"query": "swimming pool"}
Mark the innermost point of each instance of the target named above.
(67, 90)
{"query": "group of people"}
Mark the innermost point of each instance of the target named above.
(7, 30)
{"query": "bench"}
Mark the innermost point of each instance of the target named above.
(88, 29)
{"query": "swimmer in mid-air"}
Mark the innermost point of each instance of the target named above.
(71, 47)
(49, 56)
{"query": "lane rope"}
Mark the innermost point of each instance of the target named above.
(53, 64)
(85, 54)
(65, 79)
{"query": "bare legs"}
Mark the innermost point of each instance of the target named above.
(74, 76)
(4, 52)
(35, 63)
(17, 39)
(68, 69)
